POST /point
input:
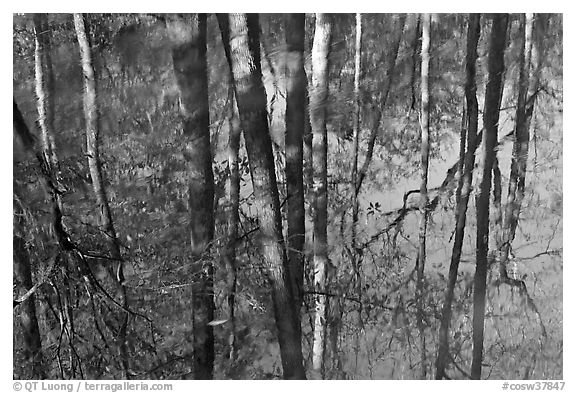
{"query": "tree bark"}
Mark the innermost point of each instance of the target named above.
(44, 76)
(424, 154)
(356, 125)
(517, 180)
(296, 82)
(462, 202)
(356, 253)
(188, 44)
(44, 87)
(489, 140)
(415, 47)
(459, 177)
(318, 109)
(232, 217)
(240, 35)
(92, 149)
(307, 149)
(528, 88)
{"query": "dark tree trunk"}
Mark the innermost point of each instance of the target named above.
(489, 140)
(92, 149)
(462, 202)
(240, 35)
(188, 39)
(318, 110)
(424, 156)
(460, 166)
(295, 122)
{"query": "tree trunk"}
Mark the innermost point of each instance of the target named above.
(92, 149)
(356, 253)
(489, 140)
(45, 88)
(318, 104)
(459, 177)
(233, 218)
(235, 130)
(462, 202)
(188, 43)
(415, 47)
(308, 173)
(307, 149)
(517, 180)
(296, 82)
(528, 88)
(424, 153)
(240, 35)
(356, 126)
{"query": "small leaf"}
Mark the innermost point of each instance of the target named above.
(217, 322)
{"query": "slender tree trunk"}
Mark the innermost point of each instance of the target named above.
(92, 150)
(188, 43)
(28, 320)
(233, 218)
(356, 126)
(424, 153)
(296, 82)
(516, 183)
(356, 253)
(45, 88)
(460, 167)
(489, 140)
(528, 88)
(318, 103)
(537, 23)
(497, 198)
(307, 150)
(268, 67)
(240, 35)
(308, 155)
(308, 174)
(415, 47)
(462, 202)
